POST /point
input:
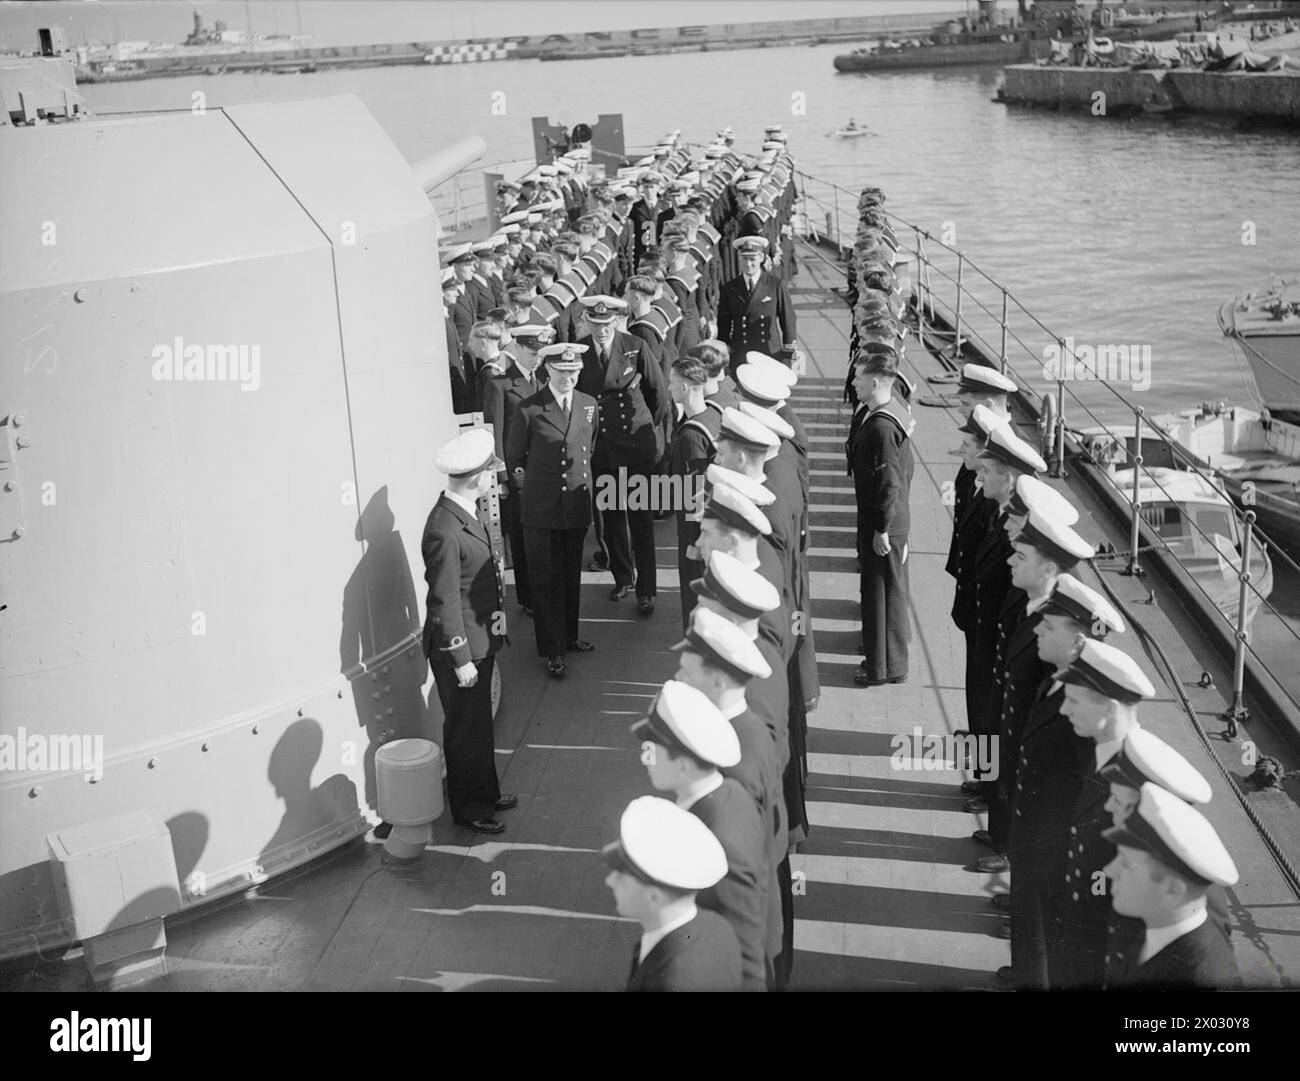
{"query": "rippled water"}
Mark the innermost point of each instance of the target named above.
(1112, 231)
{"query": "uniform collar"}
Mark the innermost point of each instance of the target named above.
(1157, 938)
(699, 789)
(559, 398)
(468, 505)
(651, 939)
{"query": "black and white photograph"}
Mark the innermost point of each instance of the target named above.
(731, 495)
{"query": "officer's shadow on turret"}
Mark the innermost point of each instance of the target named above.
(380, 610)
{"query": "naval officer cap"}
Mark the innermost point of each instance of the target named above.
(1144, 757)
(981, 379)
(533, 335)
(1005, 446)
(460, 253)
(748, 432)
(651, 177)
(753, 490)
(773, 366)
(723, 645)
(684, 719)
(761, 385)
(545, 170)
(563, 356)
(484, 247)
(1054, 539)
(736, 511)
(1030, 493)
(515, 218)
(750, 245)
(982, 421)
(1178, 835)
(736, 587)
(469, 453)
(602, 309)
(769, 418)
(449, 280)
(663, 845)
(1109, 671)
(1083, 604)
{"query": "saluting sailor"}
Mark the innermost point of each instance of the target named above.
(464, 629)
(549, 443)
(685, 744)
(663, 857)
(882, 467)
(754, 308)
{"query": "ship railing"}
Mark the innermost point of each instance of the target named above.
(957, 303)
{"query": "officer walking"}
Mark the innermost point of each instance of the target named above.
(754, 308)
(549, 442)
(464, 628)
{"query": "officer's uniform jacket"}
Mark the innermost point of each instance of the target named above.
(465, 590)
(882, 466)
(702, 955)
(462, 314)
(1021, 675)
(503, 395)
(1200, 960)
(972, 527)
(460, 391)
(741, 897)
(762, 320)
(554, 454)
(480, 296)
(1049, 782)
(963, 492)
(633, 400)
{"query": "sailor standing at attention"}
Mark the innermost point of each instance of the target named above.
(881, 463)
(464, 628)
(548, 455)
(662, 858)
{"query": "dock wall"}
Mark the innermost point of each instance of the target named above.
(1274, 95)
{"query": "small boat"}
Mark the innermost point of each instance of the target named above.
(851, 132)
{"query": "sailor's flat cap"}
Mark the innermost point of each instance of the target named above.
(723, 645)
(769, 418)
(753, 490)
(736, 511)
(449, 279)
(1054, 539)
(736, 587)
(747, 431)
(1005, 446)
(467, 454)
(1176, 834)
(981, 379)
(1144, 757)
(773, 366)
(664, 845)
(1070, 597)
(982, 421)
(1108, 671)
(563, 356)
(761, 385)
(684, 719)
(460, 253)
(1030, 493)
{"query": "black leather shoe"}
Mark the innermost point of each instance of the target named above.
(982, 837)
(1004, 929)
(976, 806)
(645, 606)
(598, 563)
(506, 803)
(579, 646)
(619, 592)
(383, 830)
(555, 667)
(995, 864)
(483, 825)
(972, 788)
(1002, 901)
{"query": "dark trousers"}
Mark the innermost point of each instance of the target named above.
(511, 513)
(687, 569)
(630, 535)
(785, 962)
(467, 743)
(555, 562)
(885, 627)
(1028, 942)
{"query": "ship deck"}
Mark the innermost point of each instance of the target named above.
(888, 897)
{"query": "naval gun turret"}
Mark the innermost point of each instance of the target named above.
(222, 384)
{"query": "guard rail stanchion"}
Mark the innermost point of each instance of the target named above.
(920, 290)
(839, 248)
(1058, 459)
(956, 341)
(1002, 353)
(1237, 713)
(1134, 567)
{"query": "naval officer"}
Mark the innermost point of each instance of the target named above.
(685, 744)
(464, 629)
(663, 857)
(754, 308)
(1167, 858)
(548, 455)
(882, 465)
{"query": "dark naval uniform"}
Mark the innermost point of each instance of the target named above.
(741, 897)
(502, 398)
(882, 466)
(1199, 960)
(633, 403)
(465, 596)
(693, 447)
(761, 319)
(990, 579)
(702, 955)
(971, 522)
(551, 453)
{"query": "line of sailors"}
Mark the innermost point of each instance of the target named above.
(625, 401)
(1116, 879)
